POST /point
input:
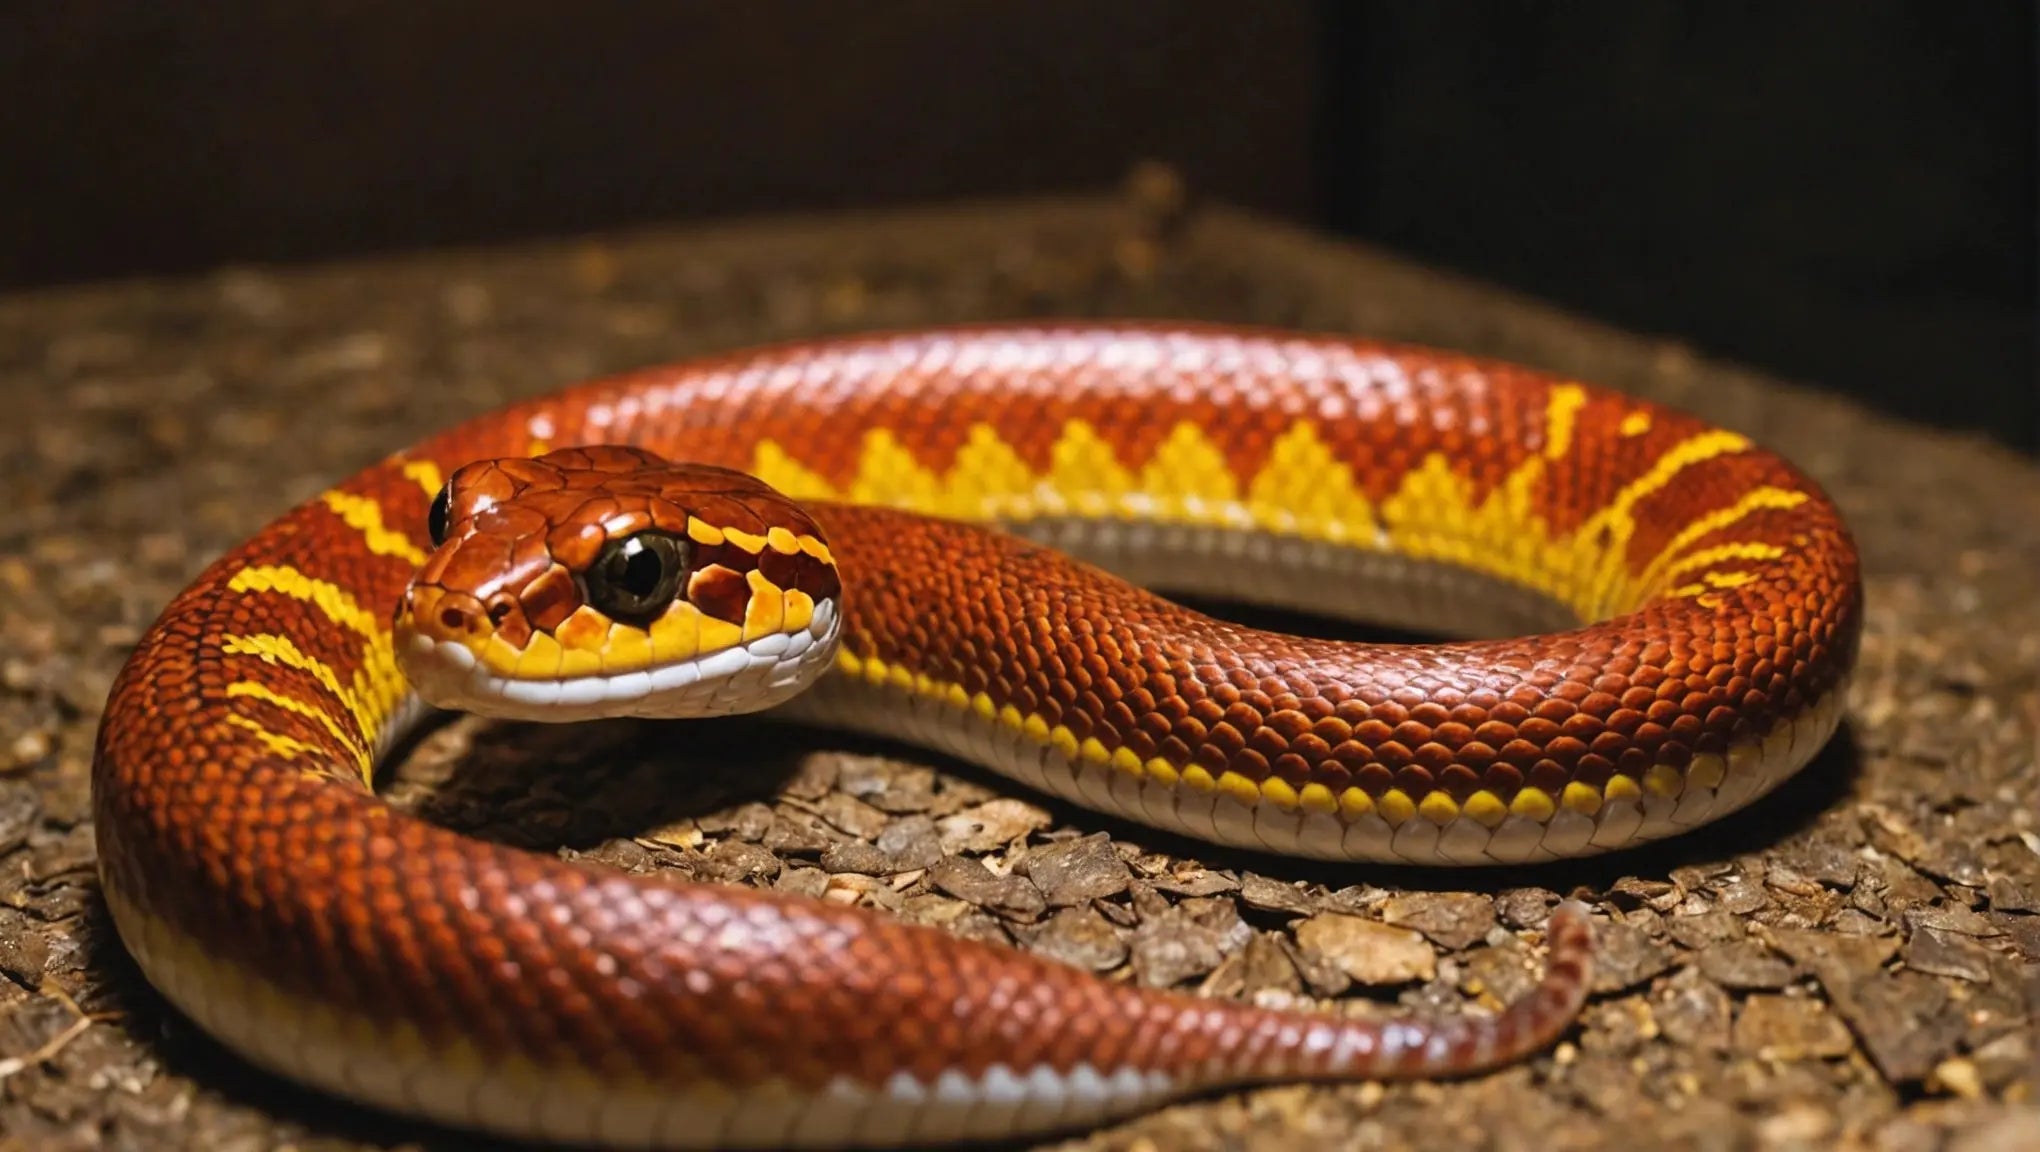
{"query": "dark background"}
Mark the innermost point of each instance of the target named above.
(1839, 192)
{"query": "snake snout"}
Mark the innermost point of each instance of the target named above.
(461, 614)
(440, 613)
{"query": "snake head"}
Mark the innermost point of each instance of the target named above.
(607, 581)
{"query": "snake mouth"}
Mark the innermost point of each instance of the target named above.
(748, 676)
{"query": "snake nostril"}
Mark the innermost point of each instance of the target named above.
(453, 619)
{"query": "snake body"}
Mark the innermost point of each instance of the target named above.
(1658, 620)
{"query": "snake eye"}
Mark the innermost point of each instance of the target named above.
(635, 578)
(442, 510)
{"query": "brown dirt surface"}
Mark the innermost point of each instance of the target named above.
(1853, 963)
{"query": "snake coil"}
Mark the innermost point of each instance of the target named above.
(1657, 621)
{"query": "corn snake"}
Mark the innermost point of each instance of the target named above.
(1670, 616)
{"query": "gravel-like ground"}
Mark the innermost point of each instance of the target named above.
(1853, 963)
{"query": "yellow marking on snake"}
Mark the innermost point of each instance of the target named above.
(1085, 471)
(1395, 806)
(1664, 780)
(686, 631)
(576, 662)
(255, 690)
(888, 472)
(771, 464)
(1307, 491)
(800, 610)
(284, 746)
(1635, 424)
(1533, 804)
(999, 482)
(365, 516)
(585, 642)
(1439, 808)
(370, 699)
(425, 474)
(766, 613)
(1316, 797)
(335, 602)
(1617, 525)
(1239, 788)
(1192, 481)
(794, 545)
(1707, 558)
(1279, 792)
(1302, 490)
(1561, 415)
(378, 678)
(1767, 498)
(539, 659)
(626, 648)
(1486, 808)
